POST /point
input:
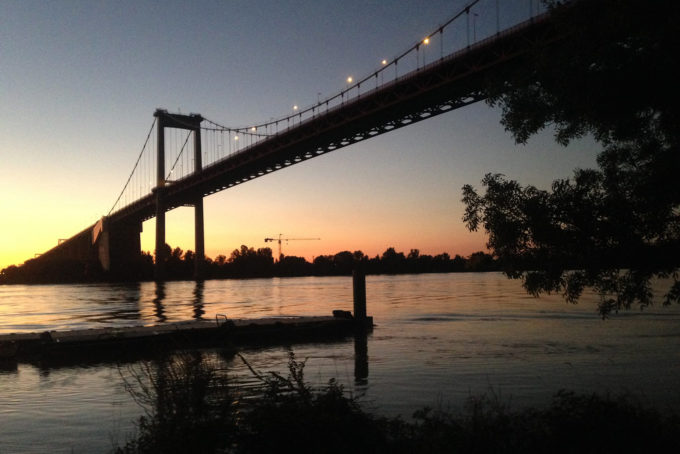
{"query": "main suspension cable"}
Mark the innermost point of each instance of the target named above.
(134, 168)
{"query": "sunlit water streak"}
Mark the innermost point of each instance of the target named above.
(438, 340)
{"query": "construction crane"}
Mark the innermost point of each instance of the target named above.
(267, 240)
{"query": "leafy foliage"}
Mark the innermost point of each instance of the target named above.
(190, 408)
(615, 228)
(292, 414)
(187, 403)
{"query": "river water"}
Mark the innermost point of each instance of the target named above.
(439, 339)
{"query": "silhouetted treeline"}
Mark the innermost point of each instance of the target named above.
(248, 262)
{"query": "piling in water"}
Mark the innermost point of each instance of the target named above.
(359, 284)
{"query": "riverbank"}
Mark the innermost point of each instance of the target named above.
(191, 407)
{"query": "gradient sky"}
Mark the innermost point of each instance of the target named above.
(80, 80)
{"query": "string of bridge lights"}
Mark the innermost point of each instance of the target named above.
(377, 76)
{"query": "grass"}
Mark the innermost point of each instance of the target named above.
(190, 407)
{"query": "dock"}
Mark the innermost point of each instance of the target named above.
(115, 342)
(222, 331)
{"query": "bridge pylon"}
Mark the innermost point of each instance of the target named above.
(191, 123)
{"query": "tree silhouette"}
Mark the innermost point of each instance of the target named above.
(615, 228)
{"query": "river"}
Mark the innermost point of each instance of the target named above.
(439, 338)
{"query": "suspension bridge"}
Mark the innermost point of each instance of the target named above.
(188, 157)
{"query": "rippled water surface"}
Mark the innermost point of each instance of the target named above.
(438, 340)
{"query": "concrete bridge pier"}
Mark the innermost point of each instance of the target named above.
(113, 247)
(118, 247)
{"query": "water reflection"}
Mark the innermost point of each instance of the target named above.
(158, 302)
(124, 302)
(361, 357)
(198, 300)
(133, 292)
(178, 301)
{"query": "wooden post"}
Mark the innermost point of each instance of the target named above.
(359, 285)
(363, 323)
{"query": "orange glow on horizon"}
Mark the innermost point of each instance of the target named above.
(222, 241)
(371, 242)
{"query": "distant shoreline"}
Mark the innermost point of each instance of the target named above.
(246, 263)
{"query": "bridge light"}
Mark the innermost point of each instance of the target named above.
(384, 62)
(295, 107)
(426, 40)
(253, 129)
(349, 80)
(235, 137)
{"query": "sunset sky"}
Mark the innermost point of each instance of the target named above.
(80, 80)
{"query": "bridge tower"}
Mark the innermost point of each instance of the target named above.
(191, 123)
